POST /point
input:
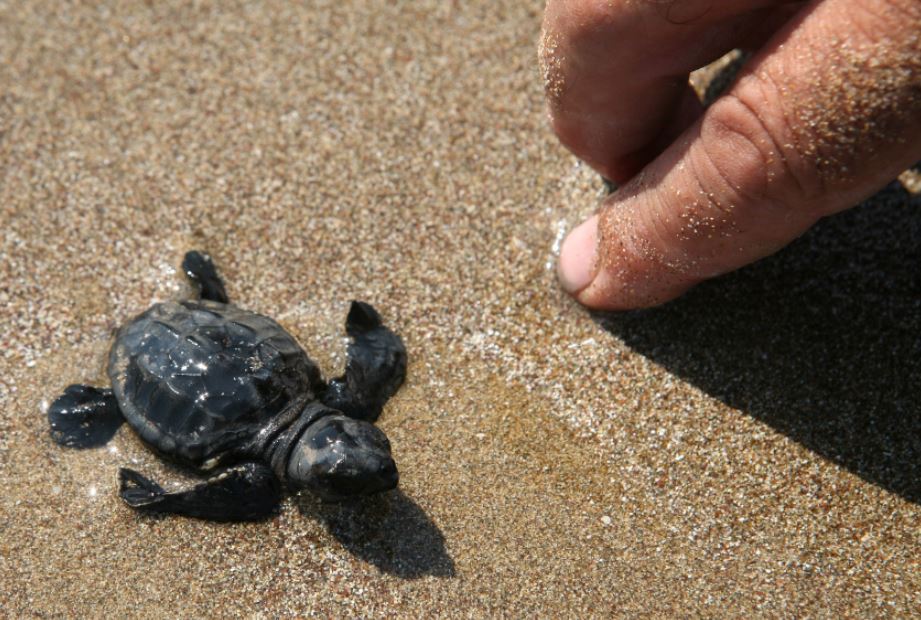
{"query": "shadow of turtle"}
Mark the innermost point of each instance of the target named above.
(821, 341)
(389, 530)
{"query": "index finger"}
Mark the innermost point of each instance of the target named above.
(616, 72)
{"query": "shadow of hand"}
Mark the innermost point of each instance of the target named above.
(821, 341)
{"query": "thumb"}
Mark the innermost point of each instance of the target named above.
(823, 116)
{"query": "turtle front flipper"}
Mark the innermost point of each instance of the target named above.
(375, 369)
(84, 417)
(201, 272)
(244, 492)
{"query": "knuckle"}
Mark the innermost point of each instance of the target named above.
(754, 149)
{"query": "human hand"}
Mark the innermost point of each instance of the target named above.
(824, 114)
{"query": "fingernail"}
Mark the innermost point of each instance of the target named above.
(577, 256)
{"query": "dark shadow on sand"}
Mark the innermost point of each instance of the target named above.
(390, 531)
(821, 341)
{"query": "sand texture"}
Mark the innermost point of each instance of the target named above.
(753, 449)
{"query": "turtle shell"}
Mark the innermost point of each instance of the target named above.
(199, 380)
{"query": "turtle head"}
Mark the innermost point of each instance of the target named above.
(338, 457)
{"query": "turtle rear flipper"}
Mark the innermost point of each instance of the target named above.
(138, 491)
(375, 369)
(84, 417)
(244, 492)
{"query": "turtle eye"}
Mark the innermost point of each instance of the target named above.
(331, 432)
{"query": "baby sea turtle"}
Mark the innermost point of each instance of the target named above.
(231, 394)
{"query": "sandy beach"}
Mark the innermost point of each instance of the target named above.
(753, 449)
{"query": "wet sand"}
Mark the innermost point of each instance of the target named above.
(754, 448)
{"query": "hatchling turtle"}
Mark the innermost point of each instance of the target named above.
(232, 395)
